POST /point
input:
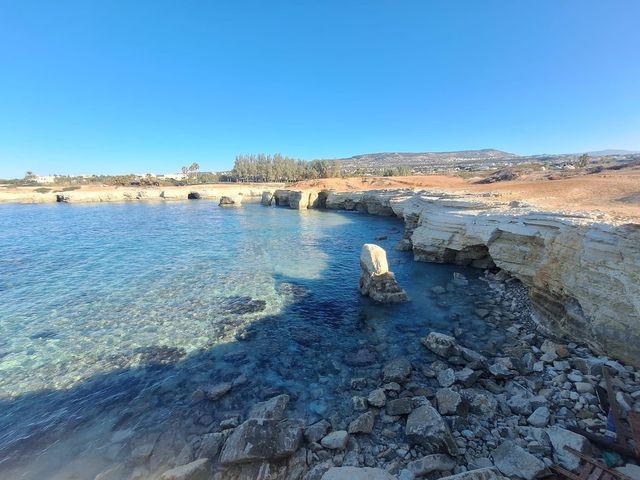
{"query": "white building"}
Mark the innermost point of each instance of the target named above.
(45, 178)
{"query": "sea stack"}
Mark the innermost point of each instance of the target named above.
(376, 280)
(230, 201)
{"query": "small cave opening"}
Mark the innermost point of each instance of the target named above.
(193, 196)
(476, 256)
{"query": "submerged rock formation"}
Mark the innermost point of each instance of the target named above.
(376, 280)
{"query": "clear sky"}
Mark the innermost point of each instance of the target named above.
(114, 86)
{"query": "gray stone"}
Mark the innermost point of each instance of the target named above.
(426, 427)
(377, 398)
(272, 409)
(197, 470)
(540, 417)
(467, 376)
(438, 462)
(215, 392)
(313, 433)
(363, 424)
(357, 473)
(336, 440)
(519, 405)
(448, 401)
(584, 387)
(260, 439)
(440, 344)
(446, 377)
(399, 406)
(560, 438)
(397, 370)
(480, 402)
(515, 462)
(211, 443)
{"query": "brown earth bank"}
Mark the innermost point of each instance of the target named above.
(616, 193)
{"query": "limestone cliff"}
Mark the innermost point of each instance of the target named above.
(583, 272)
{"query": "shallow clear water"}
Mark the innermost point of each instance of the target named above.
(112, 315)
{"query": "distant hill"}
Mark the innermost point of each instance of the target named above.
(425, 160)
(612, 151)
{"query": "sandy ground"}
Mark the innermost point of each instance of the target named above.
(615, 193)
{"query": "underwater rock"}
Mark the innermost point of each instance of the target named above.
(239, 305)
(376, 281)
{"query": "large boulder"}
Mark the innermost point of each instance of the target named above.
(272, 409)
(440, 344)
(376, 280)
(357, 473)
(259, 439)
(267, 198)
(515, 462)
(426, 427)
(230, 201)
(561, 438)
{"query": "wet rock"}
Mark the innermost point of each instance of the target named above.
(377, 398)
(520, 405)
(459, 280)
(267, 198)
(515, 462)
(272, 409)
(399, 406)
(239, 305)
(467, 377)
(376, 281)
(314, 433)
(397, 370)
(560, 438)
(358, 403)
(357, 473)
(363, 424)
(440, 344)
(259, 439)
(448, 401)
(336, 440)
(215, 392)
(426, 427)
(197, 470)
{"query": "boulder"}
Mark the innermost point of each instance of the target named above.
(399, 406)
(336, 440)
(540, 417)
(363, 424)
(377, 398)
(437, 462)
(448, 401)
(314, 433)
(197, 470)
(271, 409)
(376, 281)
(267, 198)
(215, 392)
(560, 438)
(397, 370)
(357, 473)
(440, 344)
(515, 462)
(230, 201)
(259, 439)
(426, 427)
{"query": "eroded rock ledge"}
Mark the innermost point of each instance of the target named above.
(583, 272)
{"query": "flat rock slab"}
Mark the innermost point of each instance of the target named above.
(198, 470)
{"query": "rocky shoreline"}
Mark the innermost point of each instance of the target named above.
(472, 414)
(582, 271)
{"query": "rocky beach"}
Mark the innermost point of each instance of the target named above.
(495, 392)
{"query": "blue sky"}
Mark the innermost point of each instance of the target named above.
(148, 86)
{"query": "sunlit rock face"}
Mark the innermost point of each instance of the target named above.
(583, 274)
(376, 281)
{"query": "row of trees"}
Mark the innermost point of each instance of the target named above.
(278, 168)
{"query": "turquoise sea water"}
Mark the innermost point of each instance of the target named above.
(113, 315)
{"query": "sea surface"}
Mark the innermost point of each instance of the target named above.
(114, 316)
